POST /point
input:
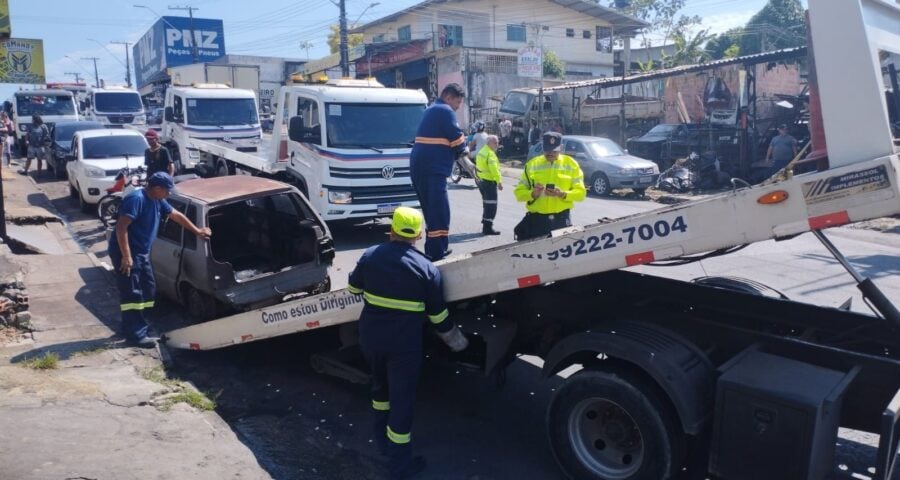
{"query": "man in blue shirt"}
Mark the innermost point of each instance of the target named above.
(129, 251)
(401, 289)
(439, 140)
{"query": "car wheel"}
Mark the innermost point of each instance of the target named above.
(600, 185)
(83, 204)
(59, 168)
(614, 424)
(200, 306)
(73, 193)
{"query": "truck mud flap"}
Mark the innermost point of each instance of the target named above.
(886, 458)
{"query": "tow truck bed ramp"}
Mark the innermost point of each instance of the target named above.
(807, 202)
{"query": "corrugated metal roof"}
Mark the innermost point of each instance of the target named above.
(754, 59)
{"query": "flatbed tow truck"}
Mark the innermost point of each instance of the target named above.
(716, 374)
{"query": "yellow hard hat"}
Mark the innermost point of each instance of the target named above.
(407, 222)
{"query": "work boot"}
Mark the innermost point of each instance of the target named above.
(143, 342)
(488, 229)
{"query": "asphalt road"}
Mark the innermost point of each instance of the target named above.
(302, 425)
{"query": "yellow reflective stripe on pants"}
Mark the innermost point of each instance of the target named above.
(439, 317)
(137, 306)
(381, 406)
(354, 290)
(394, 303)
(399, 438)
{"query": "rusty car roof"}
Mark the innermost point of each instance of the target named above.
(218, 189)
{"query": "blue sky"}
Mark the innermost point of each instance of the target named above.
(263, 27)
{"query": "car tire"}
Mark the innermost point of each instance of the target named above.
(200, 306)
(59, 170)
(614, 425)
(73, 192)
(600, 184)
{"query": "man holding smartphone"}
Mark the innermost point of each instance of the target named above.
(550, 185)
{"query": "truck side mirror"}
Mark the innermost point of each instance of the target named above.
(169, 114)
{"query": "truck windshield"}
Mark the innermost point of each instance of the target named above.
(117, 102)
(516, 103)
(114, 146)
(27, 105)
(221, 111)
(368, 125)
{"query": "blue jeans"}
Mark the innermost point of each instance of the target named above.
(137, 292)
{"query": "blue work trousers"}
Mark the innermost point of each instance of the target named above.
(395, 376)
(137, 292)
(432, 192)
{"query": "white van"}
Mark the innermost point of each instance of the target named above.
(53, 105)
(115, 107)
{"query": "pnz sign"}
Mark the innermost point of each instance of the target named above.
(170, 43)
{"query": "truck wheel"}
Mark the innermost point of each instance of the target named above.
(176, 159)
(613, 425)
(600, 185)
(200, 306)
(223, 170)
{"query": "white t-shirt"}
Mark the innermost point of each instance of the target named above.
(480, 140)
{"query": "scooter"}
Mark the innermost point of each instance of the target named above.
(126, 180)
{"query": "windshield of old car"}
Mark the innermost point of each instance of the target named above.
(662, 129)
(114, 146)
(222, 111)
(64, 132)
(516, 103)
(129, 102)
(368, 125)
(604, 148)
(27, 105)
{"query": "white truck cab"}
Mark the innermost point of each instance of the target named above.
(53, 105)
(209, 112)
(348, 145)
(114, 106)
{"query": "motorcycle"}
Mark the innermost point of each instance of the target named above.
(462, 168)
(126, 180)
(695, 171)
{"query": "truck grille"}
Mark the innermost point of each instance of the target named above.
(379, 195)
(121, 119)
(369, 173)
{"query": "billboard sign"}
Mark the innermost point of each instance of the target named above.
(5, 27)
(22, 61)
(168, 43)
(529, 62)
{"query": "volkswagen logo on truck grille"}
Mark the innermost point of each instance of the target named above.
(387, 172)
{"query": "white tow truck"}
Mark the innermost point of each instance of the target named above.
(345, 144)
(714, 376)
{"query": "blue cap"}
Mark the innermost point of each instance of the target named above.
(161, 179)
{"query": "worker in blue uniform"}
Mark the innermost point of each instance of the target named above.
(439, 140)
(402, 290)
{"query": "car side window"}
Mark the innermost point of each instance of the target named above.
(170, 230)
(574, 147)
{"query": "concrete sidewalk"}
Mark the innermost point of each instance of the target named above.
(106, 411)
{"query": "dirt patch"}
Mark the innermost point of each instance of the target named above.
(12, 336)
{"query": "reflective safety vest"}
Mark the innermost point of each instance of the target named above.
(487, 164)
(563, 173)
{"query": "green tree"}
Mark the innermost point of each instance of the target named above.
(334, 39)
(725, 45)
(553, 66)
(689, 47)
(780, 24)
(663, 17)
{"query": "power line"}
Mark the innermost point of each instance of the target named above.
(127, 62)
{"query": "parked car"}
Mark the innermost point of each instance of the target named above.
(661, 144)
(96, 157)
(605, 165)
(61, 136)
(267, 243)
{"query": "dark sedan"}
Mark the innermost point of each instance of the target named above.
(61, 136)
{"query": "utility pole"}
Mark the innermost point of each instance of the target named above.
(345, 54)
(76, 75)
(96, 75)
(127, 62)
(190, 11)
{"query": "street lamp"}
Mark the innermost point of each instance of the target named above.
(373, 4)
(306, 45)
(158, 15)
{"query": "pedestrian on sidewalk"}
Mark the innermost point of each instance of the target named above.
(505, 135)
(129, 251)
(38, 141)
(439, 141)
(8, 137)
(401, 288)
(487, 166)
(157, 157)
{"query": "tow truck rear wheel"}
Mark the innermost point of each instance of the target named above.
(200, 306)
(613, 425)
(223, 169)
